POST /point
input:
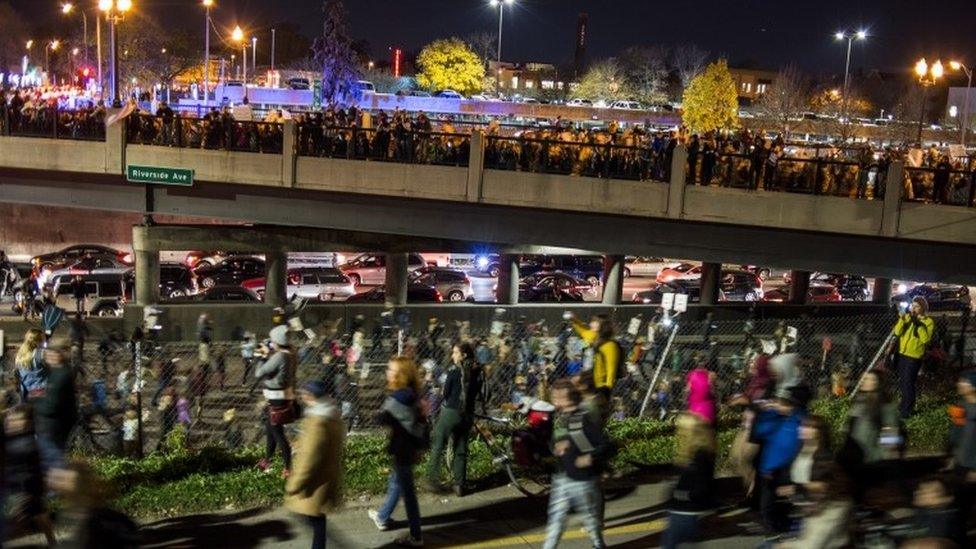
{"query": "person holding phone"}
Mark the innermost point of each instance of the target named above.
(914, 331)
(602, 358)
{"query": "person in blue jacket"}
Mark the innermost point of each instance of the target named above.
(777, 429)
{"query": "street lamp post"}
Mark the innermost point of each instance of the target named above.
(238, 36)
(964, 127)
(500, 4)
(66, 9)
(927, 75)
(114, 13)
(840, 36)
(272, 48)
(207, 4)
(254, 54)
(48, 48)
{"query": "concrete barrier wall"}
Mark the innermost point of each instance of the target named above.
(219, 166)
(575, 193)
(783, 210)
(52, 154)
(384, 178)
(939, 223)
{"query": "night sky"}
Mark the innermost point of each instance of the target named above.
(767, 33)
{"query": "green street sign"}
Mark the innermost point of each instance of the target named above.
(159, 176)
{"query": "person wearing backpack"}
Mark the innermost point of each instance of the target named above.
(602, 358)
(914, 331)
(402, 412)
(461, 389)
(277, 372)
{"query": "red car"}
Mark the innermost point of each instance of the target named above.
(820, 293)
(681, 271)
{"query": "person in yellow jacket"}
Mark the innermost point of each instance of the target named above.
(602, 358)
(914, 331)
(313, 489)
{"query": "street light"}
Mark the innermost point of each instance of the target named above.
(53, 45)
(254, 54)
(927, 75)
(238, 36)
(964, 127)
(207, 5)
(66, 9)
(500, 4)
(115, 11)
(840, 36)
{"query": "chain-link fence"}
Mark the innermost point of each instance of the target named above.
(213, 392)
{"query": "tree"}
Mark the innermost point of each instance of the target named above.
(334, 53)
(646, 71)
(786, 99)
(484, 45)
(603, 81)
(13, 39)
(906, 111)
(711, 101)
(689, 60)
(830, 104)
(450, 64)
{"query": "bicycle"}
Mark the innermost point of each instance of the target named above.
(521, 446)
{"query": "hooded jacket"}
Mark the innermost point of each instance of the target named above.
(399, 412)
(780, 436)
(786, 372)
(701, 402)
(914, 334)
(314, 487)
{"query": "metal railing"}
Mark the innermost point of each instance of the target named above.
(605, 160)
(950, 187)
(384, 145)
(205, 133)
(818, 176)
(53, 124)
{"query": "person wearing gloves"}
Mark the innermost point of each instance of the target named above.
(914, 331)
(314, 488)
(603, 357)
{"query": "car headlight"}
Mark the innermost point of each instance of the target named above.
(482, 262)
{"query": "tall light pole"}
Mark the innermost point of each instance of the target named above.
(927, 75)
(238, 36)
(207, 4)
(500, 4)
(272, 48)
(254, 54)
(29, 44)
(115, 11)
(964, 127)
(66, 9)
(53, 45)
(840, 36)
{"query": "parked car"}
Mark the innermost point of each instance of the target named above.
(61, 258)
(940, 297)
(766, 273)
(176, 280)
(453, 284)
(546, 293)
(370, 269)
(488, 264)
(692, 288)
(416, 293)
(818, 293)
(741, 286)
(93, 264)
(850, 287)
(585, 267)
(579, 103)
(681, 271)
(231, 271)
(322, 284)
(225, 293)
(299, 84)
(449, 94)
(208, 258)
(413, 93)
(645, 266)
(106, 293)
(626, 105)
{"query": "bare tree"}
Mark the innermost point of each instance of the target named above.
(646, 71)
(689, 61)
(910, 106)
(786, 99)
(484, 44)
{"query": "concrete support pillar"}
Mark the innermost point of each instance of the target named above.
(396, 279)
(508, 280)
(613, 279)
(476, 166)
(115, 145)
(882, 291)
(147, 277)
(289, 152)
(679, 175)
(710, 280)
(799, 287)
(276, 278)
(893, 186)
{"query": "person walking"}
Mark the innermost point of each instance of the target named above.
(692, 495)
(870, 418)
(29, 362)
(777, 429)
(461, 389)
(80, 293)
(314, 489)
(402, 413)
(57, 411)
(277, 372)
(23, 478)
(914, 331)
(603, 356)
(580, 447)
(964, 454)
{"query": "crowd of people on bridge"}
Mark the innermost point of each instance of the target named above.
(45, 113)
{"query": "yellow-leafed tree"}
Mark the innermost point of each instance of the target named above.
(450, 64)
(711, 101)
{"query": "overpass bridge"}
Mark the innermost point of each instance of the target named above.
(474, 200)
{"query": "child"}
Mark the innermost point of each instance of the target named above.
(23, 480)
(130, 434)
(233, 436)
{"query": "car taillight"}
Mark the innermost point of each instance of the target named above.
(438, 297)
(125, 258)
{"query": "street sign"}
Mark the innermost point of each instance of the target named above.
(159, 176)
(680, 303)
(667, 301)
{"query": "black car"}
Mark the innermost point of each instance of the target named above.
(176, 280)
(549, 290)
(850, 287)
(690, 287)
(940, 297)
(416, 293)
(741, 286)
(225, 293)
(230, 271)
(584, 267)
(72, 254)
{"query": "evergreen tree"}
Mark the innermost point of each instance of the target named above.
(711, 101)
(335, 54)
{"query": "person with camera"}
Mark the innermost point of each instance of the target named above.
(603, 356)
(277, 373)
(914, 331)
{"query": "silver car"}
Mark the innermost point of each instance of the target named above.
(370, 269)
(320, 284)
(453, 284)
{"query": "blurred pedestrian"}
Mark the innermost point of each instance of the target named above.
(580, 447)
(777, 429)
(758, 388)
(91, 523)
(692, 496)
(56, 411)
(701, 401)
(460, 394)
(964, 453)
(602, 358)
(871, 418)
(402, 412)
(130, 434)
(23, 480)
(277, 373)
(314, 488)
(31, 371)
(914, 331)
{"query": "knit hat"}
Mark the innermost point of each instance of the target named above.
(318, 389)
(279, 335)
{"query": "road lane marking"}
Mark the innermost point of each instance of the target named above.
(649, 527)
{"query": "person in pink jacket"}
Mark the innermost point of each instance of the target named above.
(701, 401)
